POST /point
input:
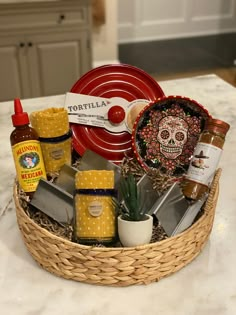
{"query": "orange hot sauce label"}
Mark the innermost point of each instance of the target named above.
(29, 164)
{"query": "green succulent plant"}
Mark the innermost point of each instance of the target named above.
(132, 207)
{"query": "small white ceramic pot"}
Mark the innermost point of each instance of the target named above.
(134, 233)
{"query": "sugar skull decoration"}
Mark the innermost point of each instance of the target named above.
(167, 132)
(172, 135)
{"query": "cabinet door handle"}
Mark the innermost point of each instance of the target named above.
(22, 44)
(30, 44)
(61, 18)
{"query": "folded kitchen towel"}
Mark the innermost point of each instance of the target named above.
(52, 126)
(51, 122)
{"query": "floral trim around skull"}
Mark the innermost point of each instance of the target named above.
(167, 132)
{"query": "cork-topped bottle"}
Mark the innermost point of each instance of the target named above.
(26, 151)
(205, 159)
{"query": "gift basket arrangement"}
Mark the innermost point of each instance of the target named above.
(120, 186)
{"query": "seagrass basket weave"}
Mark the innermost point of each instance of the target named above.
(117, 266)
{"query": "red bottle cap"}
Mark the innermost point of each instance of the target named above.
(19, 118)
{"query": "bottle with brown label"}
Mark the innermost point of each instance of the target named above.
(26, 151)
(205, 159)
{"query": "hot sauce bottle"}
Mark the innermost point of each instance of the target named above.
(205, 159)
(26, 151)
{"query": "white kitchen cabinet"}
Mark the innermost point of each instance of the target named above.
(44, 47)
(142, 20)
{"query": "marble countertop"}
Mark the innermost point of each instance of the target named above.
(207, 286)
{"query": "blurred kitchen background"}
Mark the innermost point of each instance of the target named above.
(47, 45)
(178, 38)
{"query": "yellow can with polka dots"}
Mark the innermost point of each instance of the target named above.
(94, 210)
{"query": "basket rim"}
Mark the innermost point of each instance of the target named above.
(213, 194)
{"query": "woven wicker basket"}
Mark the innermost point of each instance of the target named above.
(117, 266)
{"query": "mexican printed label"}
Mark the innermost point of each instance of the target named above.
(29, 164)
(204, 163)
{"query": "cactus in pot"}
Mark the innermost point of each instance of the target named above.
(132, 207)
(134, 224)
